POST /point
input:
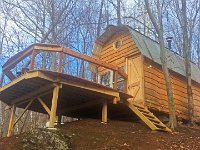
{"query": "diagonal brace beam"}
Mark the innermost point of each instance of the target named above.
(29, 104)
(44, 106)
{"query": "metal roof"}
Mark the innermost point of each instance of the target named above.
(150, 49)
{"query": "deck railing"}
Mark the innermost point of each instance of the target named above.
(64, 60)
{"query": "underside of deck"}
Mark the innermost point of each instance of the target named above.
(77, 97)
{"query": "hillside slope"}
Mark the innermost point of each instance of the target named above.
(90, 134)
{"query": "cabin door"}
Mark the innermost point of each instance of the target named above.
(135, 78)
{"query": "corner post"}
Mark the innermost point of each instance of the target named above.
(32, 60)
(105, 112)
(11, 123)
(54, 106)
(115, 80)
(1, 79)
(60, 62)
(125, 85)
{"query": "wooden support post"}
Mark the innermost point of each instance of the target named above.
(54, 106)
(105, 111)
(32, 60)
(116, 100)
(11, 123)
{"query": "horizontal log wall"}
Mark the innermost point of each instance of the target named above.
(118, 56)
(156, 95)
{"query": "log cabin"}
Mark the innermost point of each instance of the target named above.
(139, 56)
(122, 77)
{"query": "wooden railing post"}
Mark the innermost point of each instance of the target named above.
(32, 60)
(1, 79)
(11, 122)
(115, 80)
(60, 63)
(125, 85)
(44, 60)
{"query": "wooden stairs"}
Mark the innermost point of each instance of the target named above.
(147, 117)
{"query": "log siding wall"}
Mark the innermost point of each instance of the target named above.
(118, 56)
(156, 95)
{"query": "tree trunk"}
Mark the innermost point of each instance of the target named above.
(107, 14)
(163, 58)
(187, 56)
(54, 38)
(99, 20)
(119, 22)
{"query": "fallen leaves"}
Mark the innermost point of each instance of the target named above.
(124, 145)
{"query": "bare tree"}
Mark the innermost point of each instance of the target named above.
(187, 55)
(187, 18)
(119, 22)
(3, 27)
(118, 10)
(100, 17)
(158, 25)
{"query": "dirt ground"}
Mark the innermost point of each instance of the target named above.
(90, 134)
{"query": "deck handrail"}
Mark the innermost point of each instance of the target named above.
(36, 48)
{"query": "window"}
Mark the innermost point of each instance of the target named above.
(121, 80)
(117, 44)
(105, 79)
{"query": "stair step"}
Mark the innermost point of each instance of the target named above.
(138, 106)
(143, 113)
(160, 125)
(143, 110)
(148, 116)
(153, 120)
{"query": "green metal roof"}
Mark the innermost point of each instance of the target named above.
(151, 50)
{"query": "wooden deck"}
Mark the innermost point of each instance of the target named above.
(45, 79)
(45, 85)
